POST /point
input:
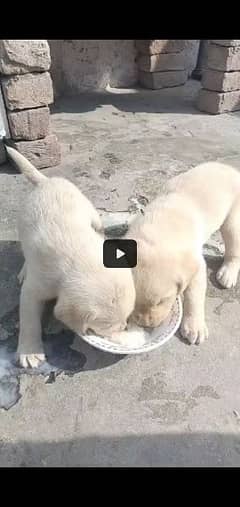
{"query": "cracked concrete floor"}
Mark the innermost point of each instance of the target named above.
(177, 406)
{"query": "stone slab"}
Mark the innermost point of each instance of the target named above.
(216, 102)
(23, 56)
(227, 42)
(153, 47)
(27, 91)
(162, 62)
(223, 58)
(221, 81)
(42, 153)
(158, 80)
(29, 124)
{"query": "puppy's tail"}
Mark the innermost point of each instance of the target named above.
(26, 167)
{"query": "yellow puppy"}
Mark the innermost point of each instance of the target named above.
(63, 259)
(170, 237)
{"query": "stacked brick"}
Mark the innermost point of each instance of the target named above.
(161, 63)
(221, 78)
(28, 91)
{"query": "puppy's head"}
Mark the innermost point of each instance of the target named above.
(102, 307)
(159, 277)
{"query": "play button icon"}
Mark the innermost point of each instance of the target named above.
(119, 253)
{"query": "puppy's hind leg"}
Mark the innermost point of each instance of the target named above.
(30, 351)
(227, 275)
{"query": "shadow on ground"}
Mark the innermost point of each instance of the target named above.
(58, 340)
(9, 168)
(159, 450)
(174, 100)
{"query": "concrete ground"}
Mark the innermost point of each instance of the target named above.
(176, 406)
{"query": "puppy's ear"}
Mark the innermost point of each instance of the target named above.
(64, 311)
(146, 252)
(72, 316)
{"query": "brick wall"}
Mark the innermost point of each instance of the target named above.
(27, 90)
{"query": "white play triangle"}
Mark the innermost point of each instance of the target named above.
(119, 253)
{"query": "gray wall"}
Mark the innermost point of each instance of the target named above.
(191, 54)
(80, 65)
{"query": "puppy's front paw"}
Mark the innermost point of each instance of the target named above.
(194, 330)
(30, 360)
(227, 275)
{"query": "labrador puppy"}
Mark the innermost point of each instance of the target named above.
(170, 237)
(60, 234)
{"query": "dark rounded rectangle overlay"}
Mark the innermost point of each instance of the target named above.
(120, 253)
